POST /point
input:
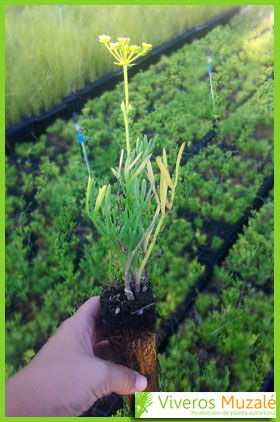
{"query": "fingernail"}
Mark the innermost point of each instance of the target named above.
(141, 383)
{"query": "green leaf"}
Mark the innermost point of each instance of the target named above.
(164, 173)
(140, 169)
(99, 199)
(143, 190)
(134, 161)
(163, 194)
(115, 173)
(89, 197)
(178, 163)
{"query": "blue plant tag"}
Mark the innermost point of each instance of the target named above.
(80, 138)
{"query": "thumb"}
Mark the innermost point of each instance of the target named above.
(122, 380)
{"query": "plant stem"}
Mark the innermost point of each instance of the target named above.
(125, 85)
(110, 263)
(125, 113)
(126, 273)
(126, 132)
(127, 288)
(171, 200)
(118, 187)
(149, 235)
(111, 51)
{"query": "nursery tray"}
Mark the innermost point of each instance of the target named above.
(246, 98)
(106, 406)
(196, 147)
(30, 128)
(170, 326)
(268, 385)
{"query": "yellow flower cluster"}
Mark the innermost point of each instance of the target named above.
(124, 53)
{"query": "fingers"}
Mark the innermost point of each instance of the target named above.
(88, 319)
(98, 334)
(91, 308)
(122, 380)
(103, 350)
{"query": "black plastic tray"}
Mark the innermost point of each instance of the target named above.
(268, 385)
(196, 147)
(170, 326)
(104, 407)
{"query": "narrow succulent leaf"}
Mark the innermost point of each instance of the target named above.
(136, 192)
(137, 221)
(164, 158)
(143, 190)
(125, 218)
(163, 193)
(134, 161)
(117, 250)
(140, 169)
(99, 199)
(89, 187)
(121, 234)
(137, 146)
(122, 184)
(178, 163)
(148, 195)
(125, 168)
(115, 173)
(92, 199)
(164, 173)
(108, 196)
(150, 172)
(154, 189)
(101, 228)
(107, 206)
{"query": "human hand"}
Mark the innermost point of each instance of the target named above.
(71, 371)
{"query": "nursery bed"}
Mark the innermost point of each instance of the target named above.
(36, 126)
(238, 290)
(170, 326)
(103, 137)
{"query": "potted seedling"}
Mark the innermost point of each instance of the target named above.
(129, 214)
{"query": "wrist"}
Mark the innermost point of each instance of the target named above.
(24, 395)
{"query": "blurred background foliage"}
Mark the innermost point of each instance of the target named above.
(52, 52)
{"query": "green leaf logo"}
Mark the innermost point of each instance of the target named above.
(142, 401)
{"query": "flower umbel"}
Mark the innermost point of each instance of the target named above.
(104, 38)
(146, 47)
(124, 53)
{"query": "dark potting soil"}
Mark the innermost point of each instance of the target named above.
(121, 315)
(130, 328)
